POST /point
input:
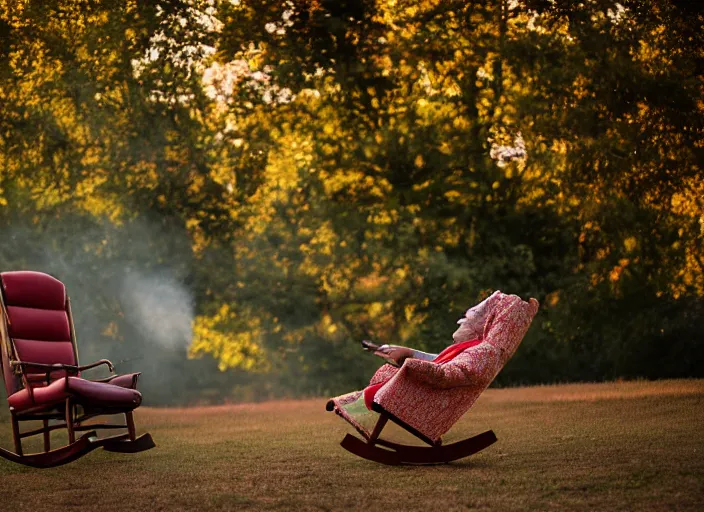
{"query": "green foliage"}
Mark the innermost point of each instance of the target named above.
(309, 174)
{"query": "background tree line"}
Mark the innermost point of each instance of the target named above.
(235, 192)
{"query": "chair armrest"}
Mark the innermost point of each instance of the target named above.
(110, 366)
(49, 367)
(68, 368)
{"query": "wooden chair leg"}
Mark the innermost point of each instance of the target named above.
(130, 426)
(47, 437)
(16, 435)
(378, 428)
(69, 422)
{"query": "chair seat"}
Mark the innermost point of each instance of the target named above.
(116, 395)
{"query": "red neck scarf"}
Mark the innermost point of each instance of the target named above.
(454, 350)
(443, 357)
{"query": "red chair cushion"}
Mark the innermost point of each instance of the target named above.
(104, 394)
(84, 392)
(44, 352)
(33, 290)
(38, 324)
(49, 395)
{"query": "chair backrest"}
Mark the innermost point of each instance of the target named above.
(507, 323)
(36, 323)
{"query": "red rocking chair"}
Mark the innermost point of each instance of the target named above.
(426, 398)
(43, 379)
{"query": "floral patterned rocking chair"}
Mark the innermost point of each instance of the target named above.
(426, 398)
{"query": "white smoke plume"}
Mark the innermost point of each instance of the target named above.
(160, 307)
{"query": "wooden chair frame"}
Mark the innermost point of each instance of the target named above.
(65, 414)
(393, 454)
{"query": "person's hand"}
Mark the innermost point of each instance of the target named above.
(397, 354)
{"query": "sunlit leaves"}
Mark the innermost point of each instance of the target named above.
(234, 339)
(344, 169)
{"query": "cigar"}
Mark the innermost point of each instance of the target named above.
(370, 346)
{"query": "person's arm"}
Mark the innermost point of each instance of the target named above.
(395, 354)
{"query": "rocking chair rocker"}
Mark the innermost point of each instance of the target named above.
(43, 379)
(427, 398)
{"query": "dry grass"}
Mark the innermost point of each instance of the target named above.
(620, 446)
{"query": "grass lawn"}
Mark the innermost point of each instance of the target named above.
(616, 446)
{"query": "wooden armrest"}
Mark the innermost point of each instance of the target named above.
(98, 363)
(49, 367)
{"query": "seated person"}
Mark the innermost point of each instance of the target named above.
(468, 334)
(430, 392)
